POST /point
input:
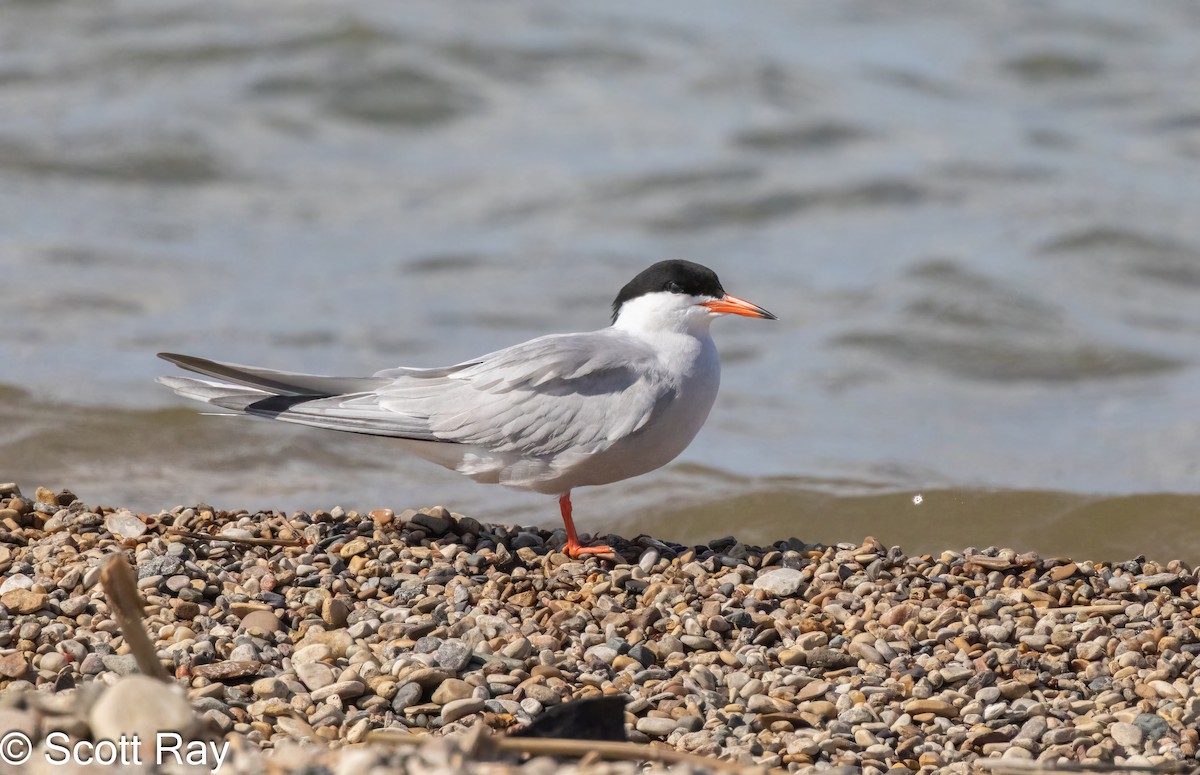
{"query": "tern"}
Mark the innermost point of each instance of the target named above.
(548, 415)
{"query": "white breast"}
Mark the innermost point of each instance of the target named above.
(693, 363)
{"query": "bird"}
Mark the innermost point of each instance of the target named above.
(550, 415)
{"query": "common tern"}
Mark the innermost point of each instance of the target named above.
(548, 415)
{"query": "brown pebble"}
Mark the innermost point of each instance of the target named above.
(931, 706)
(24, 601)
(335, 612)
(228, 670)
(262, 623)
(242, 610)
(1063, 571)
(13, 665)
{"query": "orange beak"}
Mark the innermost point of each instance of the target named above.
(732, 305)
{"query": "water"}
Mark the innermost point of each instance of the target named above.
(975, 223)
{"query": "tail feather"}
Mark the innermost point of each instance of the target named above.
(276, 382)
(229, 396)
(336, 412)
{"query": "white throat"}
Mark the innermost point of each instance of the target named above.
(655, 314)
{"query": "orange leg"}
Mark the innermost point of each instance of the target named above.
(573, 547)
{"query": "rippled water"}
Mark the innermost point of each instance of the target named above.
(976, 223)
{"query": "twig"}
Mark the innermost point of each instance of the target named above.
(1004, 766)
(238, 539)
(541, 746)
(1102, 610)
(120, 589)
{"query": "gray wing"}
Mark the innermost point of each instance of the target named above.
(579, 392)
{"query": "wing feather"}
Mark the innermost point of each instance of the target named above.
(576, 393)
(562, 392)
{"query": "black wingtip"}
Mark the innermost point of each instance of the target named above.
(277, 405)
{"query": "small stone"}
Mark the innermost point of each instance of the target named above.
(317, 652)
(242, 610)
(643, 655)
(428, 677)
(1033, 729)
(601, 653)
(1061, 572)
(262, 623)
(1153, 726)
(453, 655)
(314, 675)
(228, 670)
(24, 601)
(455, 709)
(335, 612)
(125, 524)
(164, 565)
(656, 727)
(13, 665)
(91, 577)
(451, 689)
(338, 641)
(74, 606)
(354, 547)
(73, 649)
(185, 610)
(121, 664)
(1158, 580)
(269, 688)
(57, 523)
(142, 706)
(792, 657)
(934, 706)
(543, 694)
(295, 728)
(178, 582)
(14, 582)
(407, 695)
(347, 690)
(698, 642)
(781, 582)
(91, 664)
(433, 524)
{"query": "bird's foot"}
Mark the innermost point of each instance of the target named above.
(579, 550)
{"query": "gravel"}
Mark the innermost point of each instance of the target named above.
(794, 656)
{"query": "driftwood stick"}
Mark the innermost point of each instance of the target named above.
(1024, 767)
(120, 590)
(612, 751)
(238, 539)
(1097, 610)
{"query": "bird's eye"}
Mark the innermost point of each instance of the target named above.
(674, 287)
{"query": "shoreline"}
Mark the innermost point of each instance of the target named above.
(328, 626)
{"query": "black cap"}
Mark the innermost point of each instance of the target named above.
(674, 276)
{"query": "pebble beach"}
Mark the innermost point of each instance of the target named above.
(317, 639)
